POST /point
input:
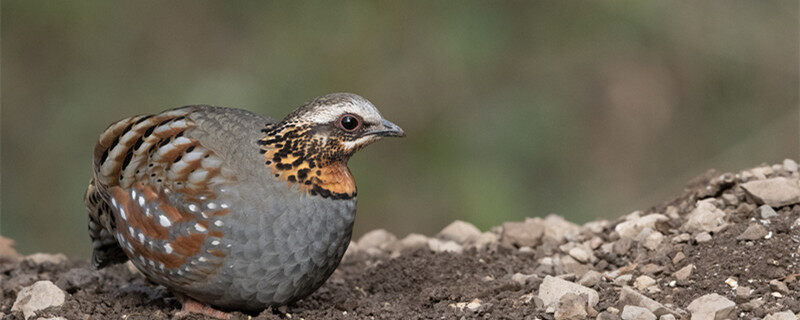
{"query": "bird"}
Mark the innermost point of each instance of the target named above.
(228, 209)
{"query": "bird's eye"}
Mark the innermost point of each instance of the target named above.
(349, 122)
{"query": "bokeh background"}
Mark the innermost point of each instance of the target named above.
(513, 109)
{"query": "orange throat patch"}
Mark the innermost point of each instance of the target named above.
(292, 157)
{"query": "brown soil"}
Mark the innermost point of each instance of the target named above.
(421, 284)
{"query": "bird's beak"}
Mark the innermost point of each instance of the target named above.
(388, 129)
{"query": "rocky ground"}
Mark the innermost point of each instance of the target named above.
(729, 247)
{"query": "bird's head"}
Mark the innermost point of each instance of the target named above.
(313, 143)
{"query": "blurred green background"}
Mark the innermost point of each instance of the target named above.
(512, 109)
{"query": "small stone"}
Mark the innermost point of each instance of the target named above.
(775, 192)
(779, 286)
(731, 282)
(474, 305)
(651, 268)
(683, 237)
(622, 246)
(790, 165)
(522, 234)
(753, 232)
(46, 258)
(379, 239)
(486, 240)
(7, 248)
(730, 199)
(437, 245)
(711, 306)
(653, 240)
(637, 313)
(702, 237)
(629, 296)
(644, 282)
(557, 228)
(705, 217)
(753, 304)
(678, 257)
(623, 280)
(743, 292)
(613, 310)
(41, 295)
(786, 315)
(552, 289)
(590, 278)
(571, 306)
(684, 273)
(767, 212)
(605, 315)
(410, 242)
(459, 231)
(522, 279)
(581, 254)
(632, 228)
(666, 317)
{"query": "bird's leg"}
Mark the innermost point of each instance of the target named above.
(191, 306)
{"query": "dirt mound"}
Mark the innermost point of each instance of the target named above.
(729, 247)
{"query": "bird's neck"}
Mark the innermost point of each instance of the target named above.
(295, 155)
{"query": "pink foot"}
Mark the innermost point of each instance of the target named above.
(191, 306)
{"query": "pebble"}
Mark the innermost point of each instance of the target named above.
(678, 257)
(779, 286)
(767, 212)
(557, 228)
(623, 279)
(754, 232)
(486, 240)
(410, 242)
(730, 199)
(46, 258)
(7, 248)
(683, 237)
(653, 240)
(684, 273)
(380, 239)
(711, 306)
(522, 279)
(622, 246)
(753, 304)
(552, 289)
(637, 313)
(437, 245)
(581, 254)
(631, 228)
(666, 317)
(571, 306)
(786, 315)
(644, 282)
(705, 217)
(629, 296)
(590, 278)
(471, 306)
(460, 232)
(605, 315)
(702, 237)
(522, 234)
(790, 165)
(775, 192)
(743, 292)
(41, 295)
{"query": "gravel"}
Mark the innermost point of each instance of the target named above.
(727, 247)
